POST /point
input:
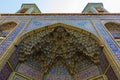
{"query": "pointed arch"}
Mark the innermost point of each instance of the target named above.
(113, 28)
(59, 45)
(6, 28)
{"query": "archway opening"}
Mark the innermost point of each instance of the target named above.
(114, 29)
(60, 53)
(6, 28)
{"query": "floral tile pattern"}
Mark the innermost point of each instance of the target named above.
(5, 72)
(4, 45)
(111, 74)
(84, 24)
(25, 69)
(112, 45)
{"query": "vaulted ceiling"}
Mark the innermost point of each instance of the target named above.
(60, 46)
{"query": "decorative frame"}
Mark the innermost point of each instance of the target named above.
(109, 54)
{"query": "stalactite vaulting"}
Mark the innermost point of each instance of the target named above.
(60, 46)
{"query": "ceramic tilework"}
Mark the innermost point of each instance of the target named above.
(90, 72)
(33, 64)
(103, 62)
(16, 77)
(114, 33)
(84, 24)
(68, 16)
(5, 72)
(11, 20)
(14, 60)
(84, 65)
(12, 17)
(5, 33)
(106, 21)
(58, 73)
(112, 45)
(58, 70)
(53, 77)
(29, 72)
(4, 45)
(111, 74)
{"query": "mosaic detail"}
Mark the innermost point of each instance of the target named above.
(108, 39)
(106, 21)
(5, 72)
(103, 62)
(66, 17)
(59, 70)
(111, 74)
(24, 69)
(60, 46)
(114, 29)
(84, 24)
(14, 60)
(17, 77)
(87, 73)
(54, 77)
(58, 73)
(99, 77)
(6, 28)
(85, 64)
(33, 64)
(33, 25)
(4, 45)
(4, 33)
(12, 20)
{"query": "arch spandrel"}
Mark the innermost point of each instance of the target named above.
(60, 44)
(83, 24)
(60, 24)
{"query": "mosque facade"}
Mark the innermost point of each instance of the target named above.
(60, 46)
